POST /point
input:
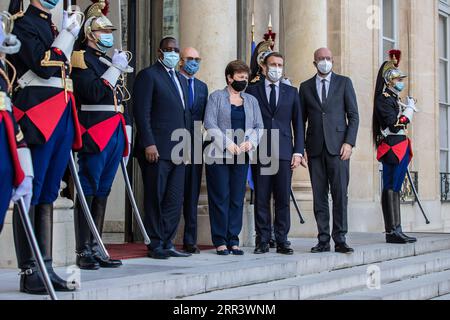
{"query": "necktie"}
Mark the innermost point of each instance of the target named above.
(273, 98)
(191, 93)
(324, 91)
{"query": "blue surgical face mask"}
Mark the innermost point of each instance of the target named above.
(400, 86)
(49, 4)
(191, 67)
(171, 59)
(105, 41)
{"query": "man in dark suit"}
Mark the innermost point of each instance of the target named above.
(197, 100)
(160, 108)
(280, 108)
(331, 110)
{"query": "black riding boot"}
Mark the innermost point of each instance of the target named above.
(397, 222)
(98, 213)
(43, 225)
(31, 280)
(85, 258)
(388, 204)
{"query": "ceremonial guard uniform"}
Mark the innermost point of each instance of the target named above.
(45, 109)
(105, 126)
(16, 169)
(390, 121)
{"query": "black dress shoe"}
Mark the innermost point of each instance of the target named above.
(395, 237)
(158, 254)
(236, 252)
(272, 244)
(343, 248)
(223, 252)
(262, 248)
(177, 254)
(285, 249)
(31, 282)
(192, 249)
(109, 263)
(321, 247)
(86, 261)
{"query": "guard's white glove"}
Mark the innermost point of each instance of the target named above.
(410, 108)
(120, 60)
(25, 191)
(71, 23)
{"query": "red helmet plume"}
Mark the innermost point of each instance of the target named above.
(395, 55)
(105, 10)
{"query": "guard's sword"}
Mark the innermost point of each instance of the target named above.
(23, 213)
(135, 210)
(85, 207)
(297, 207)
(413, 187)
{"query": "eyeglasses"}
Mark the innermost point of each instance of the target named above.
(171, 50)
(192, 59)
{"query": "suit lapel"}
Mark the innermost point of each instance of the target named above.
(196, 92)
(262, 92)
(165, 75)
(280, 96)
(313, 87)
(331, 90)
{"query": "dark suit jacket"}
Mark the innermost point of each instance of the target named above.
(158, 110)
(334, 123)
(288, 119)
(197, 113)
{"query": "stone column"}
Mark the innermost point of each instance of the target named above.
(303, 29)
(211, 27)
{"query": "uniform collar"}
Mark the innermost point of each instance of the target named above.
(392, 92)
(95, 52)
(39, 13)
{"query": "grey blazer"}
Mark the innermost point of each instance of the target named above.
(218, 123)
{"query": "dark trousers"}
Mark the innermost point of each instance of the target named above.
(6, 174)
(394, 174)
(329, 172)
(98, 170)
(50, 160)
(226, 194)
(280, 186)
(192, 185)
(163, 200)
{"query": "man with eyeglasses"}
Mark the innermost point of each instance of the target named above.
(160, 109)
(197, 100)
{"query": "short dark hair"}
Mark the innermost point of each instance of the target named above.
(273, 54)
(163, 40)
(234, 67)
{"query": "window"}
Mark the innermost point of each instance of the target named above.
(389, 27)
(444, 83)
(171, 10)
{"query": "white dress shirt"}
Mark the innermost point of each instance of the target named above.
(180, 89)
(319, 84)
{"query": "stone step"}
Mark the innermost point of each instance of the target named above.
(424, 287)
(443, 298)
(247, 271)
(207, 272)
(327, 283)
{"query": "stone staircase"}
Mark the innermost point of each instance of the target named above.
(413, 271)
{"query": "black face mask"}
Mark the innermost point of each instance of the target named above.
(239, 86)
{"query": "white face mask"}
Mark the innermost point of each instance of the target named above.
(325, 66)
(274, 74)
